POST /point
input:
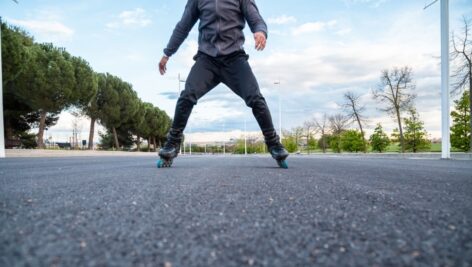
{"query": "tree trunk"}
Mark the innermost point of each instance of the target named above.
(149, 144)
(324, 141)
(470, 108)
(8, 130)
(117, 144)
(402, 143)
(154, 141)
(42, 125)
(362, 132)
(138, 143)
(92, 132)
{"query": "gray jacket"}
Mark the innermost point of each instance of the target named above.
(221, 25)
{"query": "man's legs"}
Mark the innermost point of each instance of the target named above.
(238, 76)
(202, 78)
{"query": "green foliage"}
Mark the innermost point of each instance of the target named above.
(312, 144)
(41, 80)
(335, 143)
(28, 141)
(352, 141)
(124, 138)
(379, 139)
(290, 143)
(251, 145)
(460, 130)
(415, 134)
(323, 142)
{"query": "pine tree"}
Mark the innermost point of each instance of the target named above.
(379, 139)
(460, 130)
(415, 134)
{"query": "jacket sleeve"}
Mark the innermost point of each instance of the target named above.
(183, 27)
(253, 17)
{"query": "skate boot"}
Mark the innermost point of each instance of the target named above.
(277, 151)
(170, 150)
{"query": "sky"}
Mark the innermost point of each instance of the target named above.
(316, 51)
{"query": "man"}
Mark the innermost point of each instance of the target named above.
(220, 59)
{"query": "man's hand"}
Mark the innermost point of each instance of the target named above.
(162, 65)
(260, 40)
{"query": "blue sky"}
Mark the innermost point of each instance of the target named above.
(316, 49)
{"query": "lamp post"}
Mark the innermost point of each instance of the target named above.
(445, 105)
(178, 95)
(245, 138)
(280, 111)
(2, 126)
(445, 134)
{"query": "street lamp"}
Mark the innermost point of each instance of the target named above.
(280, 112)
(445, 134)
(178, 95)
(2, 127)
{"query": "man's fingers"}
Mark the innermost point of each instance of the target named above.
(260, 42)
(163, 65)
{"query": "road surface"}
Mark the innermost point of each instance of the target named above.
(235, 211)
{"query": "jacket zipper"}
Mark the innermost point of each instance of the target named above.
(217, 27)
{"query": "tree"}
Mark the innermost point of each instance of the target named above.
(352, 141)
(415, 134)
(460, 130)
(14, 56)
(309, 128)
(338, 123)
(93, 109)
(321, 126)
(290, 143)
(85, 90)
(354, 112)
(462, 55)
(335, 143)
(394, 91)
(379, 139)
(119, 103)
(47, 84)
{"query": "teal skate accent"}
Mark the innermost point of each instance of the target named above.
(162, 163)
(282, 164)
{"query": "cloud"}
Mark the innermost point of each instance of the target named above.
(48, 29)
(281, 20)
(313, 27)
(136, 18)
(371, 3)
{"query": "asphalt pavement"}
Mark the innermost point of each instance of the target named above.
(235, 211)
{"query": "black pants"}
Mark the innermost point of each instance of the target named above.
(234, 71)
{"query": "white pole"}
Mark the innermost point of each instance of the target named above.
(2, 127)
(280, 112)
(190, 142)
(224, 140)
(245, 138)
(445, 138)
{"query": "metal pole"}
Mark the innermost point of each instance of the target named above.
(280, 112)
(2, 126)
(445, 137)
(245, 138)
(224, 141)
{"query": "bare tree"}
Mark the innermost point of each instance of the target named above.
(394, 91)
(339, 123)
(322, 128)
(462, 55)
(354, 112)
(309, 128)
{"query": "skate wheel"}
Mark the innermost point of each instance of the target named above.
(164, 163)
(282, 164)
